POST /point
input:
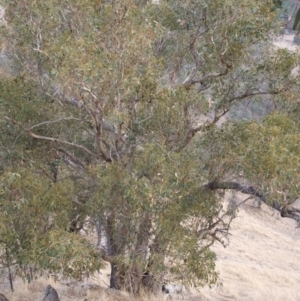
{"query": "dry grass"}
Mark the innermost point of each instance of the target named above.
(262, 262)
(35, 291)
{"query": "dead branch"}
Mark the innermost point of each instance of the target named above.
(218, 229)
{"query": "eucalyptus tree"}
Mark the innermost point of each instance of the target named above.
(121, 104)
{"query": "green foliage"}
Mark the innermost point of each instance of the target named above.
(99, 128)
(34, 222)
(266, 152)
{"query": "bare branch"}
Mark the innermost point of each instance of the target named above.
(236, 186)
(75, 201)
(258, 93)
(285, 209)
(72, 157)
(199, 61)
(55, 121)
(33, 135)
(190, 81)
(218, 228)
(192, 131)
(209, 76)
(119, 137)
(46, 174)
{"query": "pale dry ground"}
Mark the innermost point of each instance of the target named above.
(261, 262)
(286, 41)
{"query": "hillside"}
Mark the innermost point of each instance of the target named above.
(261, 262)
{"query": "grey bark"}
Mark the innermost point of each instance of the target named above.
(286, 210)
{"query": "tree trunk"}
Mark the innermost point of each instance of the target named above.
(130, 275)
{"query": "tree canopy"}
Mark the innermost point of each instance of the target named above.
(123, 118)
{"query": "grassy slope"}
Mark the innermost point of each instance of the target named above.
(262, 262)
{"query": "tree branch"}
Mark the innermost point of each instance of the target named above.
(209, 76)
(214, 185)
(250, 94)
(55, 121)
(72, 157)
(286, 210)
(33, 135)
(192, 131)
(190, 81)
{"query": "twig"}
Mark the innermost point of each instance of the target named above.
(33, 135)
(55, 121)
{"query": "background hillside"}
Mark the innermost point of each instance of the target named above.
(261, 262)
